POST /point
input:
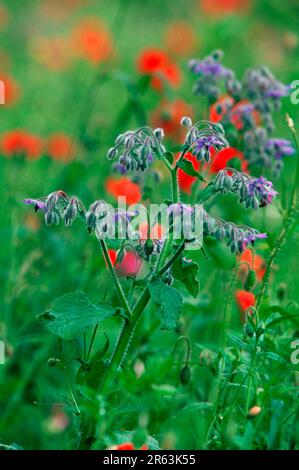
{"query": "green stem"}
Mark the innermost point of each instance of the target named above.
(116, 282)
(172, 259)
(124, 342)
(175, 186)
(91, 342)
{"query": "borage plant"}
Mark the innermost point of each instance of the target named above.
(246, 110)
(73, 317)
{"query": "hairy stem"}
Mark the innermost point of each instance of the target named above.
(116, 282)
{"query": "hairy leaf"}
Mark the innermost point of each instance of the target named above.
(168, 301)
(188, 168)
(72, 313)
(186, 271)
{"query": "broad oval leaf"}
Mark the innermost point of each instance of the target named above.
(73, 313)
(168, 301)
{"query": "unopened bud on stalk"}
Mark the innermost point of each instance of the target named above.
(70, 212)
(112, 153)
(186, 122)
(159, 133)
(91, 221)
(53, 362)
(185, 375)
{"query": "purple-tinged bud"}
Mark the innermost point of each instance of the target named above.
(112, 153)
(186, 122)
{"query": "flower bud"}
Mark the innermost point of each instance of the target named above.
(112, 153)
(52, 200)
(281, 291)
(159, 133)
(186, 122)
(148, 247)
(52, 362)
(70, 212)
(49, 218)
(185, 375)
(120, 139)
(250, 280)
(91, 221)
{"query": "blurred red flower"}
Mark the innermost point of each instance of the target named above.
(128, 266)
(60, 147)
(129, 446)
(180, 39)
(168, 116)
(256, 262)
(124, 187)
(21, 143)
(224, 105)
(186, 181)
(245, 300)
(58, 421)
(222, 159)
(219, 109)
(11, 89)
(92, 40)
(224, 7)
(156, 232)
(157, 63)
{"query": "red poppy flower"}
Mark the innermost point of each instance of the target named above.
(125, 446)
(21, 143)
(224, 7)
(130, 264)
(11, 91)
(225, 104)
(244, 300)
(256, 262)
(156, 232)
(60, 147)
(168, 116)
(129, 446)
(219, 109)
(92, 40)
(186, 181)
(124, 187)
(180, 39)
(221, 159)
(157, 63)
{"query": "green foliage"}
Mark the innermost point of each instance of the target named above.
(186, 271)
(71, 314)
(168, 301)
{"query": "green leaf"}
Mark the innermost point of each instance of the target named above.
(276, 321)
(169, 157)
(143, 83)
(188, 168)
(168, 301)
(72, 313)
(207, 192)
(275, 430)
(186, 271)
